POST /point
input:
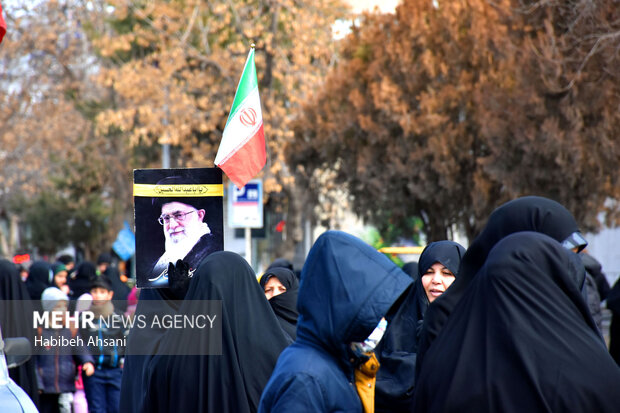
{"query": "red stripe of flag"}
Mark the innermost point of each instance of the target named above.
(243, 164)
(2, 25)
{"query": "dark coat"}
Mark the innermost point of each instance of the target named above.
(106, 343)
(520, 340)
(595, 269)
(57, 365)
(594, 301)
(613, 304)
(346, 288)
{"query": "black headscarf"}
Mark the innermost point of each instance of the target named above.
(411, 268)
(121, 290)
(530, 213)
(281, 263)
(251, 344)
(16, 321)
(39, 278)
(85, 273)
(396, 352)
(520, 340)
(284, 305)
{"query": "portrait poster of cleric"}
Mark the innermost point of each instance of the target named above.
(178, 216)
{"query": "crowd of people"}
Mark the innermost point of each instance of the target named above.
(512, 323)
(76, 379)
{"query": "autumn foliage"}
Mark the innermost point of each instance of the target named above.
(435, 114)
(447, 109)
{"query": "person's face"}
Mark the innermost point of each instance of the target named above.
(61, 308)
(436, 280)
(100, 295)
(274, 287)
(180, 220)
(60, 278)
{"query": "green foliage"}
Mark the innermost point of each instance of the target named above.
(48, 217)
(374, 238)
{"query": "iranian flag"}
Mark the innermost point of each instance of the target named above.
(241, 154)
(2, 25)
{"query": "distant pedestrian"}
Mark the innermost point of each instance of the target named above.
(121, 290)
(40, 277)
(16, 321)
(60, 277)
(84, 275)
(69, 263)
(57, 365)
(105, 341)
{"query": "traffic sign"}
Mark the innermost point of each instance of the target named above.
(245, 205)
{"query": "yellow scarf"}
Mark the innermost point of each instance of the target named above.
(365, 379)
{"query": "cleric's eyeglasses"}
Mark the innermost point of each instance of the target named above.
(575, 240)
(178, 217)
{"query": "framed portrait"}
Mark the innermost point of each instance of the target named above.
(178, 216)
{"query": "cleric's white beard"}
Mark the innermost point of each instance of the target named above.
(178, 250)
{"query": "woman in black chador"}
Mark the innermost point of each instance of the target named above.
(437, 269)
(251, 341)
(529, 213)
(521, 339)
(281, 288)
(16, 321)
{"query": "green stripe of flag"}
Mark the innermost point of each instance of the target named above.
(247, 84)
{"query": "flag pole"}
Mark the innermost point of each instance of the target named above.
(248, 245)
(248, 230)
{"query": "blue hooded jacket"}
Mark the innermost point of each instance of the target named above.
(346, 288)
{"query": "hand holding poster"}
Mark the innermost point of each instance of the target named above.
(178, 215)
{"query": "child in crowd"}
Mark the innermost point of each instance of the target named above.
(56, 366)
(106, 345)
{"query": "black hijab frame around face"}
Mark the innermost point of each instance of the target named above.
(523, 314)
(251, 343)
(284, 275)
(448, 253)
(530, 213)
(284, 305)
